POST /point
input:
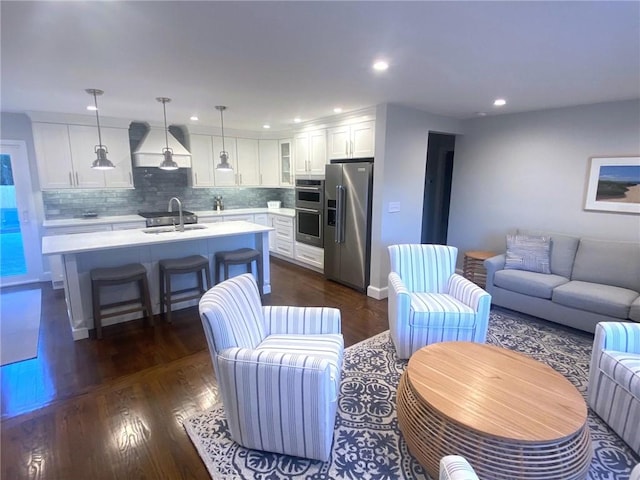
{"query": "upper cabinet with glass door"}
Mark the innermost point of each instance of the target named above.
(285, 163)
(65, 153)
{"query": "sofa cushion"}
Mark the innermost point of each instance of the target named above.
(563, 251)
(609, 263)
(594, 297)
(623, 368)
(534, 284)
(634, 311)
(528, 252)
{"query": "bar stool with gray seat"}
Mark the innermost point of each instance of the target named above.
(110, 276)
(197, 264)
(241, 256)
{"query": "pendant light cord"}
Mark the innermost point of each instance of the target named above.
(166, 135)
(222, 123)
(95, 102)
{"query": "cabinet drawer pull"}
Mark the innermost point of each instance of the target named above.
(70, 179)
(77, 181)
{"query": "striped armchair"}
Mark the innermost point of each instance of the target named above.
(455, 467)
(278, 369)
(614, 379)
(429, 302)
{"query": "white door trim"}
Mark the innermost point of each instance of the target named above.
(17, 150)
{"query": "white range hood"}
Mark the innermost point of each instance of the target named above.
(149, 152)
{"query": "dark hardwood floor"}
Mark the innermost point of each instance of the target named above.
(113, 409)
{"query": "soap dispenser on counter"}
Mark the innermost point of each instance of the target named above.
(218, 205)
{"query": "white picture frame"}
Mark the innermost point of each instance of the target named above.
(613, 184)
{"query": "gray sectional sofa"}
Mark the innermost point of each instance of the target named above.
(591, 281)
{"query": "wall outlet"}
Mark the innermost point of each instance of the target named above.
(394, 207)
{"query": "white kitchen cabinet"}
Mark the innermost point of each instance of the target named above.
(248, 173)
(351, 141)
(53, 155)
(310, 152)
(225, 178)
(239, 217)
(310, 255)
(129, 225)
(285, 163)
(261, 219)
(65, 153)
(284, 235)
(210, 219)
(117, 142)
(202, 161)
(82, 140)
(269, 161)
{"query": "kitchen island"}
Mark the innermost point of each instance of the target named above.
(84, 251)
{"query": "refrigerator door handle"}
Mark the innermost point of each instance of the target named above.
(340, 195)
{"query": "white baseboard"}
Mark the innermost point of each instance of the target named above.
(377, 293)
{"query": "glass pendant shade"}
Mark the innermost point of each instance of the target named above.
(167, 154)
(101, 162)
(224, 164)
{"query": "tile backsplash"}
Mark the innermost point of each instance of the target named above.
(153, 189)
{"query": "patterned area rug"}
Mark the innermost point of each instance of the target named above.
(367, 442)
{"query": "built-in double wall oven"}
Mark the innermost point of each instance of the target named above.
(309, 211)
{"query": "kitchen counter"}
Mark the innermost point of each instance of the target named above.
(287, 212)
(87, 242)
(82, 252)
(74, 222)
(114, 219)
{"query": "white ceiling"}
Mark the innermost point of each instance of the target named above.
(272, 61)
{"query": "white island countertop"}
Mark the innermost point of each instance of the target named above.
(87, 242)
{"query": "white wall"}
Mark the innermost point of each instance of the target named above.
(399, 172)
(530, 171)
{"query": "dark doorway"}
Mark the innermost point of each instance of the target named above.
(437, 188)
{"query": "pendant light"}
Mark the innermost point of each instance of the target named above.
(167, 162)
(101, 162)
(224, 155)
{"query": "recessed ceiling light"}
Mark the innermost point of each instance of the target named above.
(337, 110)
(499, 102)
(297, 120)
(481, 114)
(380, 66)
(91, 108)
(266, 126)
(194, 118)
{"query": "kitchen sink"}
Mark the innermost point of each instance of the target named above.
(187, 228)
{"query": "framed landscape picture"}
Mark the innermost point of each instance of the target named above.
(614, 185)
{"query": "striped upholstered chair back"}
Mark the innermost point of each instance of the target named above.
(235, 316)
(424, 268)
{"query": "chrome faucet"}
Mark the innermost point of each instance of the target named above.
(181, 227)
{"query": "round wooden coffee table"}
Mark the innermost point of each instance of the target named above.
(510, 416)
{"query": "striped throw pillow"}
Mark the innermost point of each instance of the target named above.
(528, 252)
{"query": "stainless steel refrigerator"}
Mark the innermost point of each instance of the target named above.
(347, 222)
